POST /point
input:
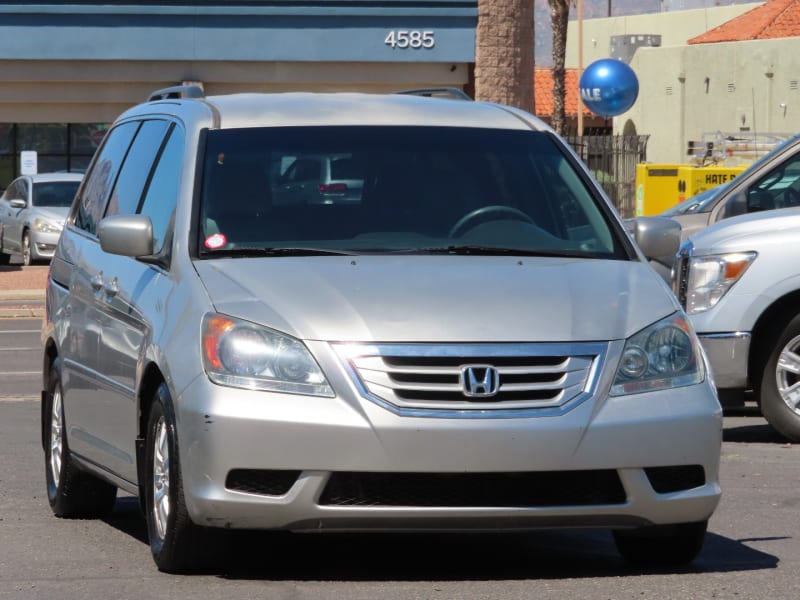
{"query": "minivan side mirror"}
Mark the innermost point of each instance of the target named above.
(658, 237)
(127, 235)
(18, 203)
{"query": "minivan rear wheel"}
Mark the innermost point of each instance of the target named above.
(661, 545)
(71, 492)
(779, 392)
(178, 545)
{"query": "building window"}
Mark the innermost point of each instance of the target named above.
(65, 147)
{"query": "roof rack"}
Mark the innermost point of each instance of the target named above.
(177, 91)
(441, 92)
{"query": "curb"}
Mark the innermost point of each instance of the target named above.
(22, 310)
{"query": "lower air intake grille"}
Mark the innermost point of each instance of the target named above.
(264, 482)
(556, 488)
(675, 479)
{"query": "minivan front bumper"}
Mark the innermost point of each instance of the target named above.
(261, 460)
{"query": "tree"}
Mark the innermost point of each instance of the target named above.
(559, 18)
(504, 54)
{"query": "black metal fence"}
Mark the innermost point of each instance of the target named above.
(613, 160)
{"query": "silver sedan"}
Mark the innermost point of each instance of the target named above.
(32, 213)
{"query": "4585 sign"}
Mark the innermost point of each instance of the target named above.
(415, 39)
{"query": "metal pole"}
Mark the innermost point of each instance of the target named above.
(580, 67)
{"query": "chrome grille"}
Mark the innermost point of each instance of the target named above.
(681, 282)
(422, 377)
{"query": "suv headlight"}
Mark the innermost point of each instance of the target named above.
(663, 355)
(710, 277)
(237, 353)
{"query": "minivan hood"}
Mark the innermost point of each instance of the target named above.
(439, 298)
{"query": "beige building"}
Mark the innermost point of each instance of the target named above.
(692, 84)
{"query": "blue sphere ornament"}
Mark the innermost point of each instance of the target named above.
(608, 87)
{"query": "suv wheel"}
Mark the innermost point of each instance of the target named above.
(661, 545)
(780, 383)
(177, 544)
(26, 249)
(71, 492)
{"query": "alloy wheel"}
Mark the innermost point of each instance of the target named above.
(56, 438)
(26, 250)
(161, 498)
(787, 373)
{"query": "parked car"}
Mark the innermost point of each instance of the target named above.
(32, 211)
(324, 179)
(739, 282)
(475, 343)
(771, 182)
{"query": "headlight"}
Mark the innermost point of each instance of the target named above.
(241, 354)
(710, 277)
(45, 226)
(664, 355)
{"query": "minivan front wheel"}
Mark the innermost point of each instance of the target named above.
(779, 392)
(178, 545)
(70, 492)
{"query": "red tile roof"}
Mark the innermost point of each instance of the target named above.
(543, 92)
(773, 19)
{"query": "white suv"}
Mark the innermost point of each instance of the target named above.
(471, 343)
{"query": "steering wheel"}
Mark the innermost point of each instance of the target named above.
(462, 225)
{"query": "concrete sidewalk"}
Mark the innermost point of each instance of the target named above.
(22, 291)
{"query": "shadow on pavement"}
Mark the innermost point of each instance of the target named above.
(283, 556)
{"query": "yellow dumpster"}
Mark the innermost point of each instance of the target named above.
(661, 186)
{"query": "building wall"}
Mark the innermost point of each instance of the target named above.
(69, 69)
(45, 91)
(693, 92)
(673, 27)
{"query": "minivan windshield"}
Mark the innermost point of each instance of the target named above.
(288, 191)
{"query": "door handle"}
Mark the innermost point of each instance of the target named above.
(111, 288)
(97, 281)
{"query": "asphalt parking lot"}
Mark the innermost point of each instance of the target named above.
(752, 549)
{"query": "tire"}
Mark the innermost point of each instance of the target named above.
(71, 492)
(661, 545)
(27, 259)
(779, 392)
(4, 258)
(177, 544)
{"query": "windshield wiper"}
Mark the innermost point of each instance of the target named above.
(491, 251)
(234, 252)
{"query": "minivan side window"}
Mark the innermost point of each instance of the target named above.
(91, 203)
(136, 168)
(162, 192)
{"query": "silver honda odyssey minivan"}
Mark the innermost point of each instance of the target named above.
(471, 341)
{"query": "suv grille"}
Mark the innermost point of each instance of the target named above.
(681, 283)
(545, 488)
(475, 377)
